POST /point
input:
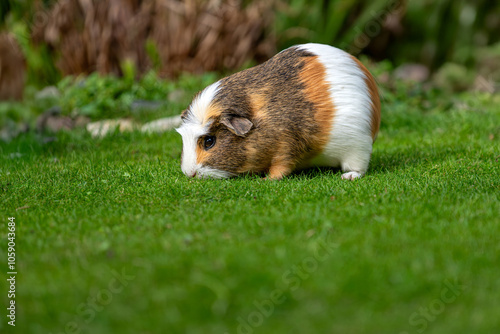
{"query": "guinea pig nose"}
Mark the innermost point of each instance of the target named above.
(193, 174)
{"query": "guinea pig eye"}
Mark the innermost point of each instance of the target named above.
(208, 142)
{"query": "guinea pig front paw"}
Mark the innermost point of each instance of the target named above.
(351, 176)
(278, 171)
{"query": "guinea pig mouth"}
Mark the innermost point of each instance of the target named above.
(204, 172)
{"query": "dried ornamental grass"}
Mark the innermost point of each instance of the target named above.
(12, 68)
(191, 35)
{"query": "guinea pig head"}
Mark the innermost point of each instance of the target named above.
(213, 137)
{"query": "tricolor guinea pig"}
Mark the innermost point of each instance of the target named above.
(309, 105)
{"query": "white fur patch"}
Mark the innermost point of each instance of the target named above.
(351, 176)
(208, 172)
(199, 107)
(350, 142)
(192, 129)
(190, 132)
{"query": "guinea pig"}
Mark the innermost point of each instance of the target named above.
(309, 105)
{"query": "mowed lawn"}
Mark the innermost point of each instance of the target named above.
(113, 238)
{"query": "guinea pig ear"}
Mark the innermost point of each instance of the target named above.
(184, 114)
(238, 125)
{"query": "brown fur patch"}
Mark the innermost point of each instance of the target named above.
(281, 164)
(258, 103)
(372, 88)
(316, 90)
(201, 154)
(213, 112)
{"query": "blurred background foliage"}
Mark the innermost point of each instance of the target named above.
(104, 55)
(61, 37)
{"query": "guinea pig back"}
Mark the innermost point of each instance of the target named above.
(309, 105)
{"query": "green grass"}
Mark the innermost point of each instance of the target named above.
(309, 254)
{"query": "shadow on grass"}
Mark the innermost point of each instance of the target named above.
(314, 172)
(399, 159)
(387, 162)
(381, 163)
